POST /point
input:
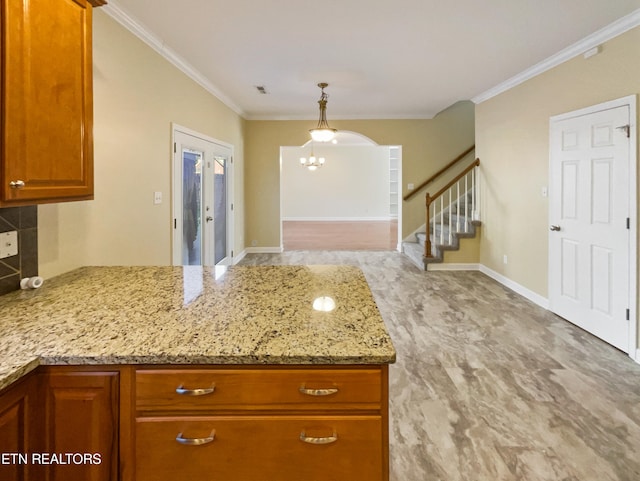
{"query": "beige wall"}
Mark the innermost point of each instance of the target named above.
(353, 183)
(137, 94)
(512, 137)
(426, 146)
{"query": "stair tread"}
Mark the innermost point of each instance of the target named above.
(415, 250)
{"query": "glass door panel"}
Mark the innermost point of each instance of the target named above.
(220, 207)
(192, 207)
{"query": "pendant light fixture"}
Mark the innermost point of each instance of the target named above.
(323, 133)
(313, 162)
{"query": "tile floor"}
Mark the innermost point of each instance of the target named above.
(489, 387)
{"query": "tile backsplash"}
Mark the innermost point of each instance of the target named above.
(25, 264)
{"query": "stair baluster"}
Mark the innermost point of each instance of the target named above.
(465, 197)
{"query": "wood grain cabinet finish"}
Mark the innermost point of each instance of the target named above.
(82, 416)
(262, 424)
(260, 448)
(20, 432)
(46, 101)
(258, 389)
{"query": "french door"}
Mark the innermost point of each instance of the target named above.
(592, 182)
(202, 204)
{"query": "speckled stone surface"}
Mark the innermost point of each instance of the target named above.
(192, 315)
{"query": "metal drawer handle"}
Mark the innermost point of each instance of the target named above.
(318, 392)
(16, 184)
(310, 440)
(195, 392)
(196, 441)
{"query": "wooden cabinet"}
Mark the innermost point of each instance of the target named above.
(20, 432)
(82, 417)
(228, 423)
(260, 448)
(46, 101)
(261, 424)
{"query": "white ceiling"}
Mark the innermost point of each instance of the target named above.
(382, 58)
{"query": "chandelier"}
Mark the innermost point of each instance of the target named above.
(312, 163)
(323, 133)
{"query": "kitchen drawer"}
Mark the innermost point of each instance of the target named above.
(261, 448)
(258, 389)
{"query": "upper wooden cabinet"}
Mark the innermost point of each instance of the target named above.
(46, 102)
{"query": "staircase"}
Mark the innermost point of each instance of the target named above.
(451, 214)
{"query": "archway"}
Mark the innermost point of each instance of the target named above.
(350, 203)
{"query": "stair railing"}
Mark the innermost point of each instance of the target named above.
(439, 173)
(459, 192)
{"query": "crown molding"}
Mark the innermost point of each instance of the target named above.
(143, 33)
(341, 117)
(603, 35)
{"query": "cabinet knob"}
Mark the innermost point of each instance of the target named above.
(16, 184)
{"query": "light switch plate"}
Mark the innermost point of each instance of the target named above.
(157, 198)
(8, 244)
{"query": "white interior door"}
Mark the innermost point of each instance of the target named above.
(589, 238)
(202, 206)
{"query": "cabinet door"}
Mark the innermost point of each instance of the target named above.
(47, 103)
(82, 417)
(19, 432)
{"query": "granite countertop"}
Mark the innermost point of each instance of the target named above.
(192, 315)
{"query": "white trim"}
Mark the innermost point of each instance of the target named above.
(264, 250)
(611, 104)
(239, 257)
(339, 219)
(452, 267)
(603, 35)
(175, 188)
(143, 33)
(637, 356)
(518, 288)
(380, 116)
(633, 231)
(631, 101)
(200, 135)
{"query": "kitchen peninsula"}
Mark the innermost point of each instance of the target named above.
(245, 373)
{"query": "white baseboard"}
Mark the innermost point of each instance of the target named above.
(239, 257)
(264, 250)
(514, 286)
(453, 267)
(637, 356)
(339, 219)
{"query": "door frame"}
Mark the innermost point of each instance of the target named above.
(631, 102)
(176, 186)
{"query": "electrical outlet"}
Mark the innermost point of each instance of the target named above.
(410, 187)
(504, 258)
(545, 191)
(157, 197)
(8, 244)
(254, 243)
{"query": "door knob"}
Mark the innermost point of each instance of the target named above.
(208, 218)
(554, 228)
